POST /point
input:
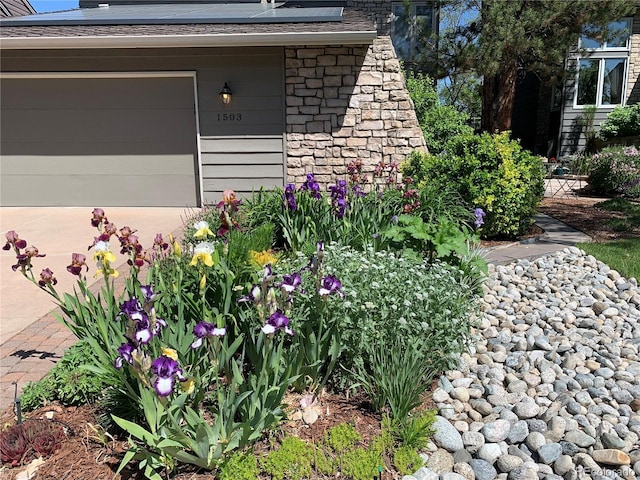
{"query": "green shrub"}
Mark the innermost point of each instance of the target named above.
(491, 172)
(615, 171)
(621, 122)
(67, 382)
(439, 122)
(389, 295)
(406, 460)
(292, 460)
(240, 466)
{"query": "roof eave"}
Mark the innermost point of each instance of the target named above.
(205, 40)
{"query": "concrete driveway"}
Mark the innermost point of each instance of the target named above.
(59, 232)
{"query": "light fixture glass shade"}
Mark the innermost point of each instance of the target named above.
(225, 94)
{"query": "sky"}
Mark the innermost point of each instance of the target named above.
(42, 6)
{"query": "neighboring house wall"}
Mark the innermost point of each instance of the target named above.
(345, 103)
(241, 151)
(572, 127)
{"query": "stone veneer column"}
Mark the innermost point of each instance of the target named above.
(633, 86)
(345, 103)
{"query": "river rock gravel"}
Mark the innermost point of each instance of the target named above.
(551, 388)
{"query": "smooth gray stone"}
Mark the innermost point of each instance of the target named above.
(446, 435)
(518, 432)
(472, 441)
(536, 425)
(515, 451)
(569, 448)
(523, 472)
(461, 456)
(452, 476)
(506, 463)
(483, 470)
(563, 464)
(549, 453)
(440, 461)
(424, 473)
(497, 431)
(610, 440)
(622, 396)
(489, 452)
(579, 438)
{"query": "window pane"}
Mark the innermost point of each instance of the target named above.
(619, 34)
(401, 35)
(587, 82)
(613, 81)
(424, 26)
(586, 42)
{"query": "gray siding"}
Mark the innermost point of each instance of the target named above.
(255, 114)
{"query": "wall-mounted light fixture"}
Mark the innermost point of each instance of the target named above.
(225, 94)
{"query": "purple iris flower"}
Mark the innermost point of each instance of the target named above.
(338, 197)
(479, 214)
(291, 282)
(132, 309)
(310, 185)
(148, 293)
(277, 321)
(330, 285)
(166, 370)
(358, 190)
(289, 197)
(204, 330)
(125, 350)
(253, 296)
(143, 332)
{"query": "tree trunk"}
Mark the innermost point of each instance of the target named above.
(498, 96)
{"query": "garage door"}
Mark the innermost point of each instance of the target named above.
(98, 142)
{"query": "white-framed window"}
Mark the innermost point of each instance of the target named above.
(602, 69)
(411, 28)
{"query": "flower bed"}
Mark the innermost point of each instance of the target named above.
(293, 291)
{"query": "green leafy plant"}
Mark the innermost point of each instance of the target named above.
(389, 295)
(240, 466)
(416, 429)
(439, 122)
(396, 375)
(490, 172)
(292, 460)
(406, 460)
(622, 121)
(615, 171)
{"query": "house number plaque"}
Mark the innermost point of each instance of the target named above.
(229, 117)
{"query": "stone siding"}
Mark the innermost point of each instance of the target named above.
(346, 103)
(633, 85)
(378, 10)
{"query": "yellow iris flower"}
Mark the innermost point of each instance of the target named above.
(202, 253)
(170, 352)
(188, 386)
(202, 230)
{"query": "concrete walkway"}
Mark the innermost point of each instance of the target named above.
(32, 340)
(29, 354)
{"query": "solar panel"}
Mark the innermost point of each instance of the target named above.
(180, 14)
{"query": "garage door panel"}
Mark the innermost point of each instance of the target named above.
(98, 93)
(58, 149)
(99, 142)
(107, 190)
(99, 165)
(62, 126)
